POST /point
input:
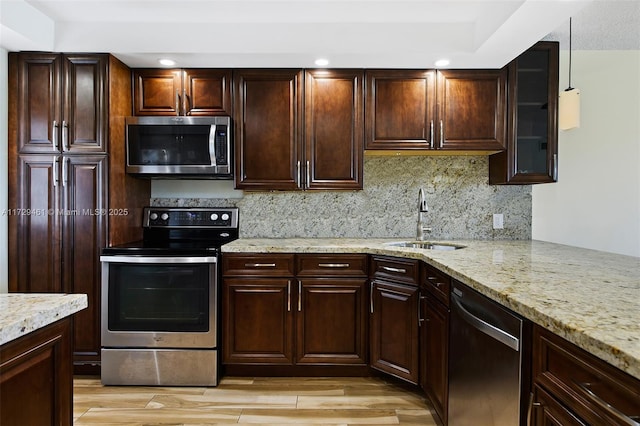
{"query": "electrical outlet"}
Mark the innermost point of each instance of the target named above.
(498, 221)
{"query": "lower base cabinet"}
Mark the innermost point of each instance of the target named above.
(394, 330)
(434, 354)
(573, 387)
(36, 378)
(313, 315)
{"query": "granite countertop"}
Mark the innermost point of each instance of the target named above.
(589, 297)
(22, 313)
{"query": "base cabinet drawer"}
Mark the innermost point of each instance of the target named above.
(546, 411)
(591, 389)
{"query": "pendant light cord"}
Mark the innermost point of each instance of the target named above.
(569, 88)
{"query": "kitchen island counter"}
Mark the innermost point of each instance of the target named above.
(36, 377)
(20, 313)
(589, 297)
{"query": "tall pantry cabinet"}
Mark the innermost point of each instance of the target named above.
(68, 193)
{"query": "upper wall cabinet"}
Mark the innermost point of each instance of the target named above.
(268, 110)
(459, 110)
(199, 91)
(471, 109)
(532, 147)
(400, 109)
(298, 130)
(63, 103)
(333, 131)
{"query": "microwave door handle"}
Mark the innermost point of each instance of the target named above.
(212, 144)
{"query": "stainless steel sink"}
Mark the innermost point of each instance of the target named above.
(426, 245)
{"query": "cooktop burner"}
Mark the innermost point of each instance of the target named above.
(184, 231)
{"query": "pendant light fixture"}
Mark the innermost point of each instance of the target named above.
(569, 102)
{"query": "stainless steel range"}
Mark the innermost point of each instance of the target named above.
(160, 299)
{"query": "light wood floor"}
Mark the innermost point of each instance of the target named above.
(256, 401)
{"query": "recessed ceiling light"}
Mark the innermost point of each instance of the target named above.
(167, 62)
(442, 62)
(321, 62)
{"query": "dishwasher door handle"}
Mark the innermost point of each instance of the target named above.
(488, 329)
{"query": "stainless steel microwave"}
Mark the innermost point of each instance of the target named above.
(179, 147)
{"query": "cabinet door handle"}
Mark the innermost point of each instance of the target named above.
(586, 387)
(308, 175)
(420, 319)
(555, 167)
(299, 296)
(55, 135)
(333, 265)
(441, 133)
(299, 175)
(397, 270)
(177, 102)
(431, 142)
(289, 296)
(259, 265)
(65, 171)
(55, 171)
(371, 297)
(186, 108)
(65, 136)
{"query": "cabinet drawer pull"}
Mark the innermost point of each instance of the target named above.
(398, 270)
(606, 406)
(259, 265)
(333, 265)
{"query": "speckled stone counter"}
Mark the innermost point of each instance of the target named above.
(589, 297)
(22, 313)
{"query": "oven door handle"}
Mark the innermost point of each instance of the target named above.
(158, 259)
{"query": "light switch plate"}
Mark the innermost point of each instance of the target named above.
(498, 221)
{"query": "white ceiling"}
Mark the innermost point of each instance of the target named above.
(293, 33)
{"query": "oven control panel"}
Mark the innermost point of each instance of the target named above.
(169, 217)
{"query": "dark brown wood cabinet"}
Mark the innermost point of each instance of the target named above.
(400, 109)
(196, 92)
(268, 110)
(333, 129)
(394, 304)
(317, 318)
(68, 198)
(472, 110)
(298, 130)
(332, 310)
(258, 320)
(454, 110)
(572, 386)
(434, 337)
(532, 138)
(257, 308)
(36, 379)
(62, 107)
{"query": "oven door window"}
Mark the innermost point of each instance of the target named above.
(159, 297)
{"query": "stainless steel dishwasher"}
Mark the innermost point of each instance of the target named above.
(485, 362)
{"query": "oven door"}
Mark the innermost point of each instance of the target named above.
(159, 302)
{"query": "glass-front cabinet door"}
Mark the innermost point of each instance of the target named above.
(532, 148)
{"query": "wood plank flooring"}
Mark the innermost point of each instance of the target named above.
(256, 401)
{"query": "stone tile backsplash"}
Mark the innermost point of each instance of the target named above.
(461, 204)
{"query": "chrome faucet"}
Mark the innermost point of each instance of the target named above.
(422, 208)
